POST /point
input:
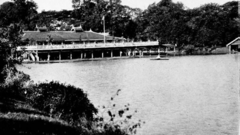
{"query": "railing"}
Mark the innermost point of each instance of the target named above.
(88, 45)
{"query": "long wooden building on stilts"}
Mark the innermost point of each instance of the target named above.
(57, 46)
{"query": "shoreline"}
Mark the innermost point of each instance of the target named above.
(114, 58)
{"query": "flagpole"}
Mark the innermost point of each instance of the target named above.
(104, 40)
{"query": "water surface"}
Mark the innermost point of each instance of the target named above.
(190, 95)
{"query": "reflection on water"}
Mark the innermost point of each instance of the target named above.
(190, 95)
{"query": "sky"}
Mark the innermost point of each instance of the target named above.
(142, 4)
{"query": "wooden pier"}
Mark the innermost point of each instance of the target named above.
(88, 51)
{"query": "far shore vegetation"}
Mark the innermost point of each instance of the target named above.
(49, 108)
(209, 25)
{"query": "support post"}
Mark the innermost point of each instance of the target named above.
(81, 55)
(60, 56)
(48, 59)
(141, 52)
(111, 53)
(129, 52)
(102, 54)
(70, 55)
(37, 57)
(92, 55)
(229, 47)
(120, 53)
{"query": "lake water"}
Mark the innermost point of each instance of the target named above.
(189, 95)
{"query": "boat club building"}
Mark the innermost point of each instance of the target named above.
(77, 36)
(234, 46)
(42, 45)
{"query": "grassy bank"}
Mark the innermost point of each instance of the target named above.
(18, 117)
(51, 108)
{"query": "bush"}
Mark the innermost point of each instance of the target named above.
(62, 101)
(14, 86)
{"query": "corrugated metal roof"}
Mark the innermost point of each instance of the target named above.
(66, 36)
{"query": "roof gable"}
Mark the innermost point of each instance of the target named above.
(236, 41)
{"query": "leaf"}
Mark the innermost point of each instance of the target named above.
(129, 116)
(120, 113)
(109, 113)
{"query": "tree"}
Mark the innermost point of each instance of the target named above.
(231, 21)
(208, 25)
(7, 13)
(212, 25)
(119, 19)
(18, 11)
(9, 40)
(163, 20)
(14, 21)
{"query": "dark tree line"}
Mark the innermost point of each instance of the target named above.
(208, 25)
(166, 21)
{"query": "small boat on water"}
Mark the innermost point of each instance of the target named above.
(159, 58)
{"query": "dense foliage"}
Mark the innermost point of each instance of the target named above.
(209, 25)
(23, 12)
(65, 102)
(9, 39)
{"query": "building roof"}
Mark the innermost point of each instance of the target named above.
(167, 45)
(66, 36)
(236, 41)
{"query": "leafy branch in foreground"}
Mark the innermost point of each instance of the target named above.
(115, 120)
(11, 80)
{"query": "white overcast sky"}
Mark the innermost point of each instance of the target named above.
(143, 4)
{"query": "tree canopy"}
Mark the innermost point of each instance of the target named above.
(208, 25)
(18, 11)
